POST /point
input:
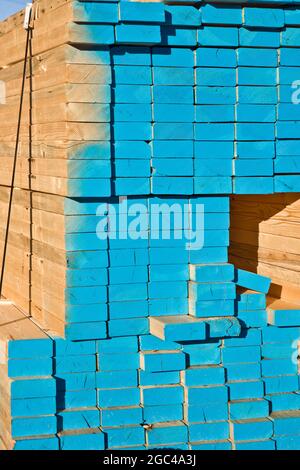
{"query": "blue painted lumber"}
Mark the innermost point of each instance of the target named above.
(212, 308)
(121, 378)
(175, 95)
(257, 57)
(283, 383)
(215, 57)
(133, 326)
(213, 167)
(142, 12)
(124, 436)
(172, 57)
(243, 372)
(32, 348)
(215, 113)
(241, 354)
(216, 14)
(286, 425)
(287, 443)
(206, 76)
(223, 95)
(118, 361)
(91, 33)
(86, 313)
(167, 434)
(95, 12)
(167, 395)
(256, 429)
(47, 443)
(259, 149)
(122, 416)
(173, 76)
(163, 413)
(209, 375)
(286, 183)
(253, 318)
(214, 149)
(218, 36)
(33, 388)
(38, 367)
(264, 444)
(37, 426)
(204, 412)
(209, 431)
(216, 445)
(284, 401)
(159, 378)
(112, 346)
(71, 364)
(75, 381)
(203, 354)
(33, 407)
(250, 300)
(128, 34)
(257, 95)
(212, 290)
(256, 113)
(183, 15)
(118, 397)
(250, 337)
(179, 36)
(130, 55)
(140, 94)
(266, 18)
(259, 38)
(273, 367)
(90, 440)
(241, 390)
(251, 409)
(79, 419)
(273, 334)
(252, 281)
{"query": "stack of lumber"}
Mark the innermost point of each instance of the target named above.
(209, 383)
(93, 87)
(22, 343)
(151, 336)
(265, 237)
(61, 161)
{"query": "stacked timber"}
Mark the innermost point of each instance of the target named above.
(149, 337)
(17, 353)
(265, 239)
(70, 96)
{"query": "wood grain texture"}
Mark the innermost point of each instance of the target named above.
(265, 238)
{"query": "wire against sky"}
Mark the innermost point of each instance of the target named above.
(9, 7)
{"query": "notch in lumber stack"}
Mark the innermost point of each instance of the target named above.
(139, 343)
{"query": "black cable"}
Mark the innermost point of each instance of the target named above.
(30, 175)
(14, 163)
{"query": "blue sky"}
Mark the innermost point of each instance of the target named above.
(8, 7)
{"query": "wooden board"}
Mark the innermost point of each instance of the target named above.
(265, 238)
(14, 326)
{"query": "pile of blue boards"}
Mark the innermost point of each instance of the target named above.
(165, 343)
